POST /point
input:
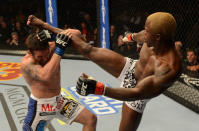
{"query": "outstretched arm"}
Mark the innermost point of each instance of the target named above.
(34, 21)
(148, 87)
(138, 37)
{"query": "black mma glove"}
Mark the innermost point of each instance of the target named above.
(62, 41)
(128, 37)
(44, 36)
(86, 86)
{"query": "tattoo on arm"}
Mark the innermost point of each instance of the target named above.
(32, 71)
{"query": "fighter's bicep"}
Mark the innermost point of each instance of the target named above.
(165, 75)
(110, 61)
(165, 78)
(146, 89)
(32, 71)
(154, 85)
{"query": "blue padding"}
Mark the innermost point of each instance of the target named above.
(32, 106)
(31, 111)
(53, 37)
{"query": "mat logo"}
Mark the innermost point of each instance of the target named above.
(9, 71)
(14, 101)
(100, 105)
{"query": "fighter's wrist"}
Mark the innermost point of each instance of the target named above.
(133, 36)
(59, 51)
(104, 90)
(128, 37)
(100, 88)
(53, 37)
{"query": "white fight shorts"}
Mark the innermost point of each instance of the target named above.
(128, 80)
(42, 111)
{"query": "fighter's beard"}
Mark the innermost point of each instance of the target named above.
(42, 63)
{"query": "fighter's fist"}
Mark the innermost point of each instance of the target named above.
(44, 36)
(86, 86)
(128, 37)
(62, 41)
(34, 21)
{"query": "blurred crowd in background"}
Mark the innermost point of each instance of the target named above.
(82, 15)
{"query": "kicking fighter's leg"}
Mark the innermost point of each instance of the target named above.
(130, 119)
(88, 119)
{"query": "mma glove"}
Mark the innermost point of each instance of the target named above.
(44, 36)
(62, 41)
(86, 86)
(128, 37)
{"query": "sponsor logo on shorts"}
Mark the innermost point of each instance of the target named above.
(47, 107)
(60, 102)
(9, 71)
(100, 105)
(69, 108)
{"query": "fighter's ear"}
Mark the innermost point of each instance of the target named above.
(158, 37)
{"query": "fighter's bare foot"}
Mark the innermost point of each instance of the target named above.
(34, 21)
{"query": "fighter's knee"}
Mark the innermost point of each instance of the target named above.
(92, 119)
(74, 31)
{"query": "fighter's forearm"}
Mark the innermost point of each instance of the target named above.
(48, 71)
(51, 28)
(122, 94)
(51, 68)
(139, 37)
(139, 92)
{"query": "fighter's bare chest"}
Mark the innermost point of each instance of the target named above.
(145, 67)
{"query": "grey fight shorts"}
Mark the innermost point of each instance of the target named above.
(42, 111)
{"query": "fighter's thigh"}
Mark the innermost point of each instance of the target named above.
(37, 122)
(130, 119)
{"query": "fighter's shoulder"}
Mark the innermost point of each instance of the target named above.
(167, 69)
(26, 60)
(173, 63)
